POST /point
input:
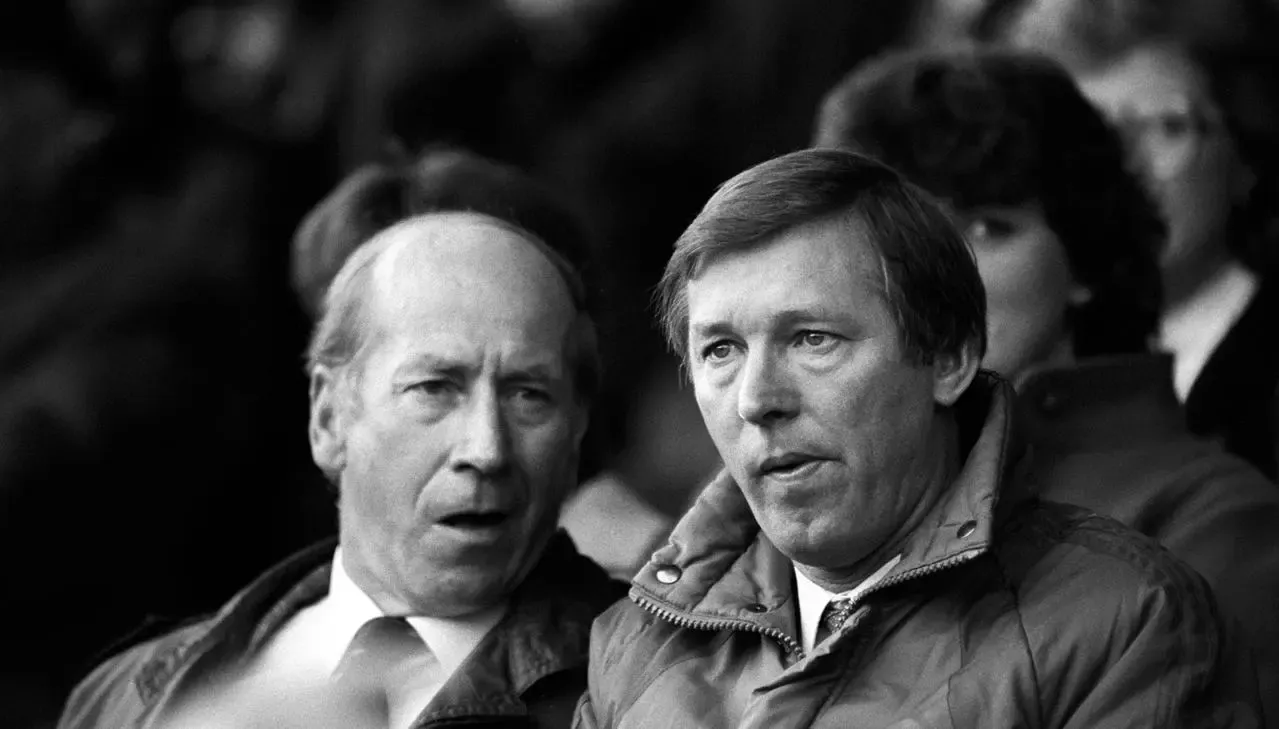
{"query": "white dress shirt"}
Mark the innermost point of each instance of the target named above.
(813, 599)
(304, 652)
(1193, 328)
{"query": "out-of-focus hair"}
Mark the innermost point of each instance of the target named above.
(1230, 41)
(930, 280)
(337, 245)
(985, 127)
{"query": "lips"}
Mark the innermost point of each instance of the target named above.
(475, 519)
(787, 463)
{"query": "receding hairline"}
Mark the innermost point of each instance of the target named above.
(394, 240)
(849, 219)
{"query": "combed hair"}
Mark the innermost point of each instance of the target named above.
(984, 127)
(930, 280)
(337, 245)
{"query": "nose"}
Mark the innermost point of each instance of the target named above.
(483, 446)
(765, 396)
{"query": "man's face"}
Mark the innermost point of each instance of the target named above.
(798, 367)
(1029, 287)
(460, 440)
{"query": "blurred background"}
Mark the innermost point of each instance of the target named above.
(155, 159)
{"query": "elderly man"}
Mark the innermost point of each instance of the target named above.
(870, 556)
(1067, 244)
(451, 373)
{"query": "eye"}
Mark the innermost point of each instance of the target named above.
(816, 341)
(435, 387)
(531, 404)
(533, 395)
(989, 228)
(717, 351)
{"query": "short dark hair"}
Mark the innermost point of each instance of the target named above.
(333, 261)
(1230, 41)
(931, 281)
(988, 127)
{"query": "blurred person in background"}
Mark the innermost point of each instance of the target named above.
(452, 369)
(872, 553)
(1067, 243)
(1194, 86)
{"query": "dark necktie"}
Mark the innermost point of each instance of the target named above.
(833, 618)
(383, 660)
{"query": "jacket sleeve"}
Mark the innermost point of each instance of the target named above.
(107, 696)
(1114, 646)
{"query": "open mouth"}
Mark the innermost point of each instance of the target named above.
(475, 520)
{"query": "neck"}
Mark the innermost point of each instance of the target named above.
(932, 479)
(362, 565)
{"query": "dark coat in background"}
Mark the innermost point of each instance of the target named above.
(1235, 398)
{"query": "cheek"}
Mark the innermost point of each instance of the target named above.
(1027, 288)
(547, 456)
(717, 405)
(391, 463)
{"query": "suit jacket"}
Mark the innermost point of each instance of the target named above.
(1235, 399)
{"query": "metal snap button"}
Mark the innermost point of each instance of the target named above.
(667, 574)
(966, 529)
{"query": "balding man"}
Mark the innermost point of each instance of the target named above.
(451, 373)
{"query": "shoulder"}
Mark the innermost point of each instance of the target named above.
(119, 689)
(1116, 625)
(1067, 551)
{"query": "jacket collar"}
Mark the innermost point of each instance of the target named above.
(545, 631)
(1100, 402)
(235, 630)
(719, 570)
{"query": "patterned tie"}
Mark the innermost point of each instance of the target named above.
(385, 657)
(833, 617)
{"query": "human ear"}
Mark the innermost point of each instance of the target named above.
(953, 373)
(326, 428)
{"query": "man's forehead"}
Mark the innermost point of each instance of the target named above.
(849, 247)
(441, 240)
(460, 248)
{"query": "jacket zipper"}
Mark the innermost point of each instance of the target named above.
(684, 622)
(788, 642)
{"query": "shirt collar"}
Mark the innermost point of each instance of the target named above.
(1193, 328)
(814, 598)
(450, 639)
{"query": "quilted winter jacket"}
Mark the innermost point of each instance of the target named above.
(1004, 611)
(527, 672)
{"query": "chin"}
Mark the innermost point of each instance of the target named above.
(460, 593)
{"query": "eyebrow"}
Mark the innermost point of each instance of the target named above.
(536, 371)
(783, 318)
